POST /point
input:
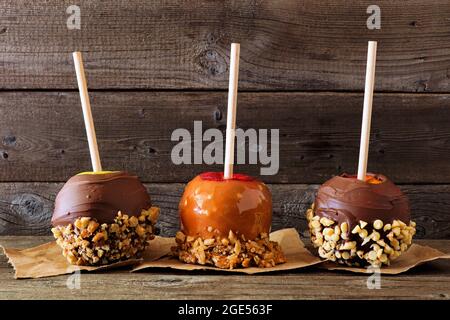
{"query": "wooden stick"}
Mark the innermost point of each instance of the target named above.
(367, 113)
(231, 113)
(87, 114)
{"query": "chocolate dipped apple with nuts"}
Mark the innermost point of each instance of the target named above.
(360, 223)
(226, 223)
(103, 217)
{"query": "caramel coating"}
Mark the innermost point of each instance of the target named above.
(211, 207)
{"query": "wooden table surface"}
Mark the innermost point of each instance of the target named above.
(429, 281)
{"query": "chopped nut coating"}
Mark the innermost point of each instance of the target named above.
(229, 253)
(85, 242)
(364, 243)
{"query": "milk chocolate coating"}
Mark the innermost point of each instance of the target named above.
(100, 196)
(243, 205)
(347, 199)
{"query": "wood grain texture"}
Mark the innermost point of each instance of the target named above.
(430, 281)
(42, 136)
(26, 208)
(174, 44)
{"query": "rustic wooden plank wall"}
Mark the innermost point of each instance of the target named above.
(154, 66)
(26, 207)
(178, 44)
(44, 139)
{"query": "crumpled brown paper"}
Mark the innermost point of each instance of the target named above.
(415, 256)
(297, 256)
(46, 260)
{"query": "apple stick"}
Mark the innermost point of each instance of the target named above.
(87, 114)
(231, 113)
(367, 113)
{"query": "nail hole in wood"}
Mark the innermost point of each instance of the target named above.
(217, 115)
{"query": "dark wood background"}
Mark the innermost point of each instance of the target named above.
(154, 66)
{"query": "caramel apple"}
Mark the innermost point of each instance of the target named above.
(103, 217)
(360, 223)
(226, 222)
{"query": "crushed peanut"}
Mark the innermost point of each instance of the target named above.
(230, 252)
(86, 242)
(365, 244)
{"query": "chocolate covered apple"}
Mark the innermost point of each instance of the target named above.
(103, 217)
(226, 223)
(360, 223)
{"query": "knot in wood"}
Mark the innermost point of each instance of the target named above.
(212, 62)
(28, 206)
(9, 140)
